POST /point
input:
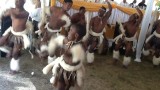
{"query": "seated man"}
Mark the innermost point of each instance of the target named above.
(35, 15)
(152, 44)
(128, 38)
(96, 30)
(51, 26)
(68, 69)
(16, 37)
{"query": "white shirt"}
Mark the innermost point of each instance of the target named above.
(133, 5)
(124, 4)
(36, 14)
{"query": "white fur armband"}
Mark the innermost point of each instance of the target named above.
(156, 34)
(156, 60)
(67, 19)
(126, 61)
(14, 64)
(54, 42)
(78, 53)
(7, 31)
(47, 68)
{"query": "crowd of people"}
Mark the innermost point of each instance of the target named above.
(124, 3)
(41, 33)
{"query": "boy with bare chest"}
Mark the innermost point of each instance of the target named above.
(16, 37)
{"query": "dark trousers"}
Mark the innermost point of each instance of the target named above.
(6, 23)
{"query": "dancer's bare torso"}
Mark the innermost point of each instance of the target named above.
(19, 19)
(130, 29)
(55, 21)
(97, 24)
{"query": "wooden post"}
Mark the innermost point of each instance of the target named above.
(53, 2)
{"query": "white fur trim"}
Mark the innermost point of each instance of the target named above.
(80, 76)
(14, 65)
(47, 68)
(121, 28)
(77, 53)
(156, 34)
(69, 67)
(54, 69)
(149, 38)
(26, 40)
(67, 19)
(44, 48)
(156, 61)
(130, 39)
(38, 51)
(43, 19)
(4, 49)
(54, 73)
(85, 37)
(126, 61)
(145, 52)
(51, 59)
(24, 33)
(117, 38)
(53, 80)
(90, 57)
(115, 54)
(7, 31)
(95, 34)
(51, 30)
(104, 30)
(137, 60)
(54, 42)
(100, 40)
(32, 56)
(42, 22)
